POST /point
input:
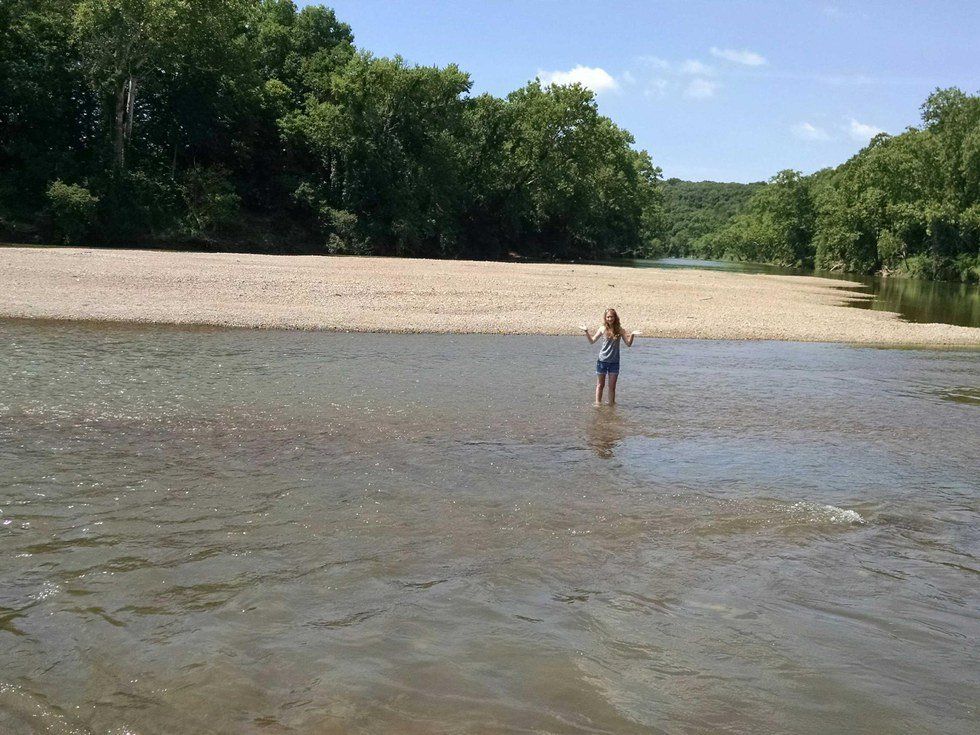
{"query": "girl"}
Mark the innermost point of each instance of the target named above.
(608, 362)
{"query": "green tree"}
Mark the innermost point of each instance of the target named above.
(383, 148)
(776, 226)
(72, 209)
(697, 208)
(47, 115)
(567, 180)
(130, 47)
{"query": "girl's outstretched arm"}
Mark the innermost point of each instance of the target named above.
(590, 337)
(628, 339)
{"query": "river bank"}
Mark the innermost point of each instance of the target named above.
(440, 296)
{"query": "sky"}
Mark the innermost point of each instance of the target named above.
(724, 91)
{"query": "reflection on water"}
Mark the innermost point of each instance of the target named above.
(924, 301)
(605, 428)
(914, 300)
(233, 531)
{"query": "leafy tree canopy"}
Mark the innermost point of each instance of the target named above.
(257, 123)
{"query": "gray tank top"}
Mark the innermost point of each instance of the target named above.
(608, 348)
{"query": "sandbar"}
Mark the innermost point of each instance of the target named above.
(372, 294)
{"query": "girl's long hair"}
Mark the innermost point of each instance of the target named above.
(617, 330)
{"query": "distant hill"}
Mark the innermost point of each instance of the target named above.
(696, 208)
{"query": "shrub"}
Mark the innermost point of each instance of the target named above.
(918, 266)
(72, 209)
(967, 268)
(138, 205)
(842, 249)
(344, 238)
(212, 203)
(890, 247)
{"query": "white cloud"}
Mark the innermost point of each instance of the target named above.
(655, 61)
(739, 56)
(862, 132)
(656, 88)
(692, 66)
(594, 78)
(807, 131)
(700, 89)
(668, 77)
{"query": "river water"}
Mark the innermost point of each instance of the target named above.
(231, 531)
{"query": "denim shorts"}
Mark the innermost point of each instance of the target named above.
(606, 368)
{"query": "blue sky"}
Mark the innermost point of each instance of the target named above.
(728, 91)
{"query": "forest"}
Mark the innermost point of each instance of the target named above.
(248, 123)
(255, 125)
(698, 208)
(906, 205)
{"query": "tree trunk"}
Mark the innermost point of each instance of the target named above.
(125, 103)
(130, 105)
(119, 136)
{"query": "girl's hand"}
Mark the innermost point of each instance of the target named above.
(583, 327)
(636, 333)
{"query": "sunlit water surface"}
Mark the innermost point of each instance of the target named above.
(283, 532)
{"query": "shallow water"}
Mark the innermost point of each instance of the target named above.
(269, 532)
(914, 300)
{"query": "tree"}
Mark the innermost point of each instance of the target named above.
(383, 142)
(47, 114)
(127, 46)
(570, 182)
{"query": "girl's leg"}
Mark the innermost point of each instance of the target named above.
(600, 383)
(612, 388)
